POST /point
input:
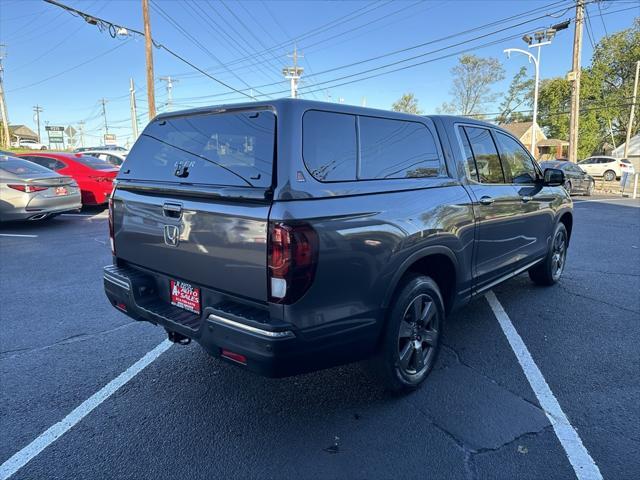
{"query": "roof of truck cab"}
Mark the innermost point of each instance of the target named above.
(301, 104)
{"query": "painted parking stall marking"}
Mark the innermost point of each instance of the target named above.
(17, 235)
(582, 463)
(28, 453)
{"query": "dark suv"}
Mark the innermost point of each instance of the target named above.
(292, 235)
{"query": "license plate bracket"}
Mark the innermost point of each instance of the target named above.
(185, 296)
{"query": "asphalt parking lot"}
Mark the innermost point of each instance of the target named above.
(187, 415)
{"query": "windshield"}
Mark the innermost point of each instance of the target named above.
(94, 163)
(22, 167)
(231, 149)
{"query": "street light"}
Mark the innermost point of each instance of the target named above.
(541, 37)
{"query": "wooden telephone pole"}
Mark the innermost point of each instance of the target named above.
(574, 76)
(148, 44)
(631, 114)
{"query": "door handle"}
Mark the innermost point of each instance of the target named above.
(172, 210)
(486, 200)
(526, 198)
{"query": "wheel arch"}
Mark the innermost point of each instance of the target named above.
(437, 262)
(566, 218)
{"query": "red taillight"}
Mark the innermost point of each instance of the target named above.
(27, 188)
(292, 259)
(111, 236)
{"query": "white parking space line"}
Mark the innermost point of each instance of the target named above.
(582, 463)
(91, 215)
(607, 200)
(17, 235)
(28, 453)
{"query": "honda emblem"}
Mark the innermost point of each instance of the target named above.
(171, 235)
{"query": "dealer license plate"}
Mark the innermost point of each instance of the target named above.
(185, 295)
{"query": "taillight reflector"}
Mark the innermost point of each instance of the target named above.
(236, 357)
(27, 188)
(292, 258)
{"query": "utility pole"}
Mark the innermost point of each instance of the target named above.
(134, 113)
(148, 44)
(633, 107)
(293, 73)
(3, 104)
(81, 128)
(104, 115)
(574, 77)
(169, 81)
(38, 110)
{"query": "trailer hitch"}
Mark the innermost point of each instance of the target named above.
(178, 338)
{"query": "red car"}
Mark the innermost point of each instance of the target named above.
(94, 176)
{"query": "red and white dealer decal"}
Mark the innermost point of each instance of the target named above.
(185, 295)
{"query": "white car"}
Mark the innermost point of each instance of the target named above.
(32, 144)
(608, 167)
(114, 157)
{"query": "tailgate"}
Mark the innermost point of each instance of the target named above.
(220, 245)
(191, 199)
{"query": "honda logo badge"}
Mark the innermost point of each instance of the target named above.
(171, 235)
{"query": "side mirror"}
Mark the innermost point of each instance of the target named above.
(553, 177)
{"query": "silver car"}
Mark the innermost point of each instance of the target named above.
(31, 192)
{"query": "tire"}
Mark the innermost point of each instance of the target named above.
(567, 186)
(411, 340)
(590, 188)
(609, 176)
(43, 148)
(549, 271)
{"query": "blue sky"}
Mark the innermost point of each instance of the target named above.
(43, 41)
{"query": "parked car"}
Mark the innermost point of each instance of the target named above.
(353, 232)
(95, 177)
(101, 147)
(114, 157)
(609, 168)
(576, 179)
(31, 144)
(31, 192)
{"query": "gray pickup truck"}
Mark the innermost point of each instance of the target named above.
(290, 235)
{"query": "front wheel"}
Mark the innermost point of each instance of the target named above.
(590, 188)
(549, 271)
(567, 186)
(412, 337)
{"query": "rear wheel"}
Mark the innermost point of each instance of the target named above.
(609, 175)
(550, 269)
(412, 338)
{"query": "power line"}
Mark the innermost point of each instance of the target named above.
(113, 31)
(413, 47)
(69, 69)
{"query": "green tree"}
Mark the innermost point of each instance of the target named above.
(520, 94)
(473, 79)
(407, 103)
(605, 95)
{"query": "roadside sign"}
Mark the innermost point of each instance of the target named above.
(110, 139)
(70, 131)
(55, 133)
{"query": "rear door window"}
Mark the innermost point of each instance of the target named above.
(47, 162)
(329, 145)
(397, 149)
(485, 155)
(516, 162)
(229, 149)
